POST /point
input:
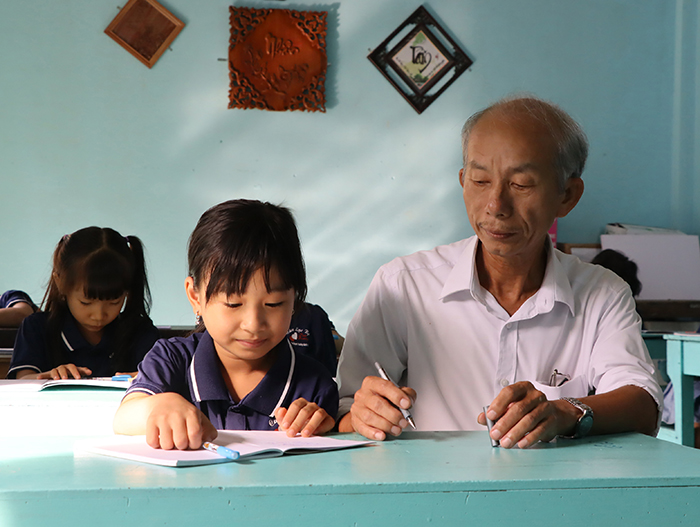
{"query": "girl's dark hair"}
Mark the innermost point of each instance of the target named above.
(234, 239)
(622, 266)
(106, 265)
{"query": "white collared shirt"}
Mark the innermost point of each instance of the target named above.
(430, 324)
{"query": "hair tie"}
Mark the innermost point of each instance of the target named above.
(127, 240)
(65, 238)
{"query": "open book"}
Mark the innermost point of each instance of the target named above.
(36, 385)
(250, 445)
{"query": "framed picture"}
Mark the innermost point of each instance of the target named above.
(420, 59)
(145, 29)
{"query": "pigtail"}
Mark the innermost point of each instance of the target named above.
(54, 303)
(136, 311)
(139, 293)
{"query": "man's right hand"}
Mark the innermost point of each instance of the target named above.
(374, 414)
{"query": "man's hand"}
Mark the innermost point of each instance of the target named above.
(375, 412)
(525, 416)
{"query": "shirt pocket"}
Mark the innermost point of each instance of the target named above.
(576, 387)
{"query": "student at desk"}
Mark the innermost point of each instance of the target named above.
(238, 371)
(15, 306)
(503, 319)
(95, 320)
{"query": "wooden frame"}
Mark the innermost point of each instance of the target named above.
(145, 29)
(418, 67)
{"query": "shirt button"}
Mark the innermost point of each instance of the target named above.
(504, 382)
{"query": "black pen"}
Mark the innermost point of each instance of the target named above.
(406, 413)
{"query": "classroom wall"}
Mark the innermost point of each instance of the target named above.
(89, 135)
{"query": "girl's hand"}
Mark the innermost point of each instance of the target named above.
(176, 423)
(305, 418)
(66, 371)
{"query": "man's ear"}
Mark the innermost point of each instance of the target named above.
(572, 194)
(461, 177)
(193, 295)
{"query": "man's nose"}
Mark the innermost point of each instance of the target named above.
(500, 202)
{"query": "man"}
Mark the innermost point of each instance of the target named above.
(502, 319)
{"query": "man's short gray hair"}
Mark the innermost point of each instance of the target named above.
(569, 138)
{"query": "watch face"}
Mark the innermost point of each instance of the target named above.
(584, 425)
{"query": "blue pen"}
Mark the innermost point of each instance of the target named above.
(221, 450)
(123, 377)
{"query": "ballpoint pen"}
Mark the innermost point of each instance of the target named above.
(489, 424)
(221, 450)
(406, 413)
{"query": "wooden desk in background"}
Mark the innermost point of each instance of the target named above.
(439, 478)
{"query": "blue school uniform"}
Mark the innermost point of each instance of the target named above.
(32, 350)
(190, 366)
(11, 297)
(311, 334)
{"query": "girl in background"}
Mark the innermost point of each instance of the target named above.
(95, 311)
(238, 371)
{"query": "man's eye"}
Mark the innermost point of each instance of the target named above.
(232, 305)
(274, 304)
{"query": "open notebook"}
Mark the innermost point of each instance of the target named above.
(250, 445)
(34, 385)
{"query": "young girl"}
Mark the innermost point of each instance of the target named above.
(83, 330)
(239, 372)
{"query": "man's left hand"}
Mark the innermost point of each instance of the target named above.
(525, 416)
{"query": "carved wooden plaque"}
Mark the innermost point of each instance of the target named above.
(277, 59)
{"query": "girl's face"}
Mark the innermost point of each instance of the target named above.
(245, 327)
(91, 314)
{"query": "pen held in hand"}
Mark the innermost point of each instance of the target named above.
(221, 450)
(407, 415)
(490, 424)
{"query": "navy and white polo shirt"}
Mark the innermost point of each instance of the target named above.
(32, 347)
(12, 297)
(190, 365)
(311, 334)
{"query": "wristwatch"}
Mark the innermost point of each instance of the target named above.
(585, 422)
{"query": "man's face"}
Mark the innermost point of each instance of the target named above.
(510, 186)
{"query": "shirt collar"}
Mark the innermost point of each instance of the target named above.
(207, 383)
(73, 339)
(555, 285)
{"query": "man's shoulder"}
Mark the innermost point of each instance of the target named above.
(428, 260)
(587, 276)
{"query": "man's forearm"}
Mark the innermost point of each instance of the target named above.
(626, 409)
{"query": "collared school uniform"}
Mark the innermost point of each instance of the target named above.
(190, 366)
(12, 297)
(32, 349)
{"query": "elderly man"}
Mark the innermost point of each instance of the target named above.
(552, 346)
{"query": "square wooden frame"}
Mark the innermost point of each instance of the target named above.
(139, 36)
(420, 95)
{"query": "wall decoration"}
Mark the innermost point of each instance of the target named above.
(277, 59)
(420, 59)
(145, 29)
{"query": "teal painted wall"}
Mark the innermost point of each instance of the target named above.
(90, 136)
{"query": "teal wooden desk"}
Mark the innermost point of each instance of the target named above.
(448, 478)
(682, 364)
(425, 478)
